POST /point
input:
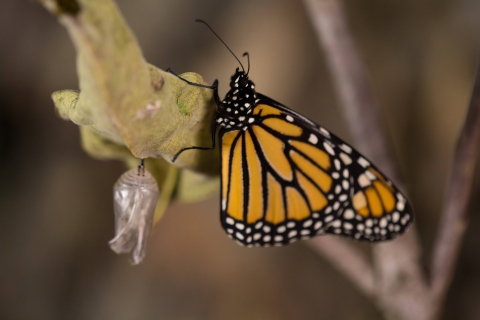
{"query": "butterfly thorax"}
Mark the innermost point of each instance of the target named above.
(235, 109)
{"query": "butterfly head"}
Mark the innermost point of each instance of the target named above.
(239, 101)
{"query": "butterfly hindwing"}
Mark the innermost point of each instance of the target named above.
(285, 178)
(375, 201)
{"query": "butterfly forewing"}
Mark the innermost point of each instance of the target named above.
(285, 178)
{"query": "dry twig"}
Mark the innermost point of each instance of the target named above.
(349, 260)
(401, 286)
(454, 217)
(402, 291)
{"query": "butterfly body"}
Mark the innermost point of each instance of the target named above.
(285, 178)
(235, 110)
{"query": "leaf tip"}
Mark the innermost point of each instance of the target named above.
(65, 101)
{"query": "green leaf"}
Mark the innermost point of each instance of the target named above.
(129, 109)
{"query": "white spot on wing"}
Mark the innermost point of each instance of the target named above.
(370, 175)
(289, 118)
(317, 225)
(307, 223)
(364, 163)
(336, 205)
(383, 223)
(349, 214)
(325, 132)
(346, 159)
(338, 189)
(337, 164)
(395, 217)
(346, 148)
(328, 148)
(363, 181)
(313, 139)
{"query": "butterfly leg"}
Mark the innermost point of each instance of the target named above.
(214, 131)
(214, 86)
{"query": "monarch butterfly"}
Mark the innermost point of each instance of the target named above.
(285, 178)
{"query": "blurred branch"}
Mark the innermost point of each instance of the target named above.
(347, 259)
(352, 83)
(454, 217)
(401, 285)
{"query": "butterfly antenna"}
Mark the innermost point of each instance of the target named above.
(248, 59)
(200, 20)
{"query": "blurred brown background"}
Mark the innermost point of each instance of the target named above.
(56, 213)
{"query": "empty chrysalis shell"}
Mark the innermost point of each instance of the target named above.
(135, 196)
